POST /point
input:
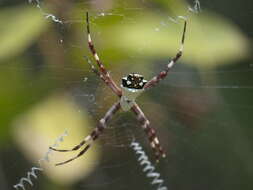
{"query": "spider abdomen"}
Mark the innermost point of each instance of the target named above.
(132, 86)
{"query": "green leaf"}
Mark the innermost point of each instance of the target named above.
(211, 40)
(20, 26)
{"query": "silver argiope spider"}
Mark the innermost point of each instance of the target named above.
(132, 86)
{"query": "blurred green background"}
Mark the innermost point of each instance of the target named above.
(202, 111)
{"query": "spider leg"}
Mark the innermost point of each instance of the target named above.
(95, 70)
(87, 139)
(151, 133)
(93, 136)
(80, 154)
(107, 78)
(155, 80)
(100, 75)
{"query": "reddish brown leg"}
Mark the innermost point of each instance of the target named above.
(155, 80)
(107, 78)
(93, 136)
(151, 133)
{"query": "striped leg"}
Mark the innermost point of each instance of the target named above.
(155, 80)
(151, 133)
(95, 70)
(109, 81)
(93, 136)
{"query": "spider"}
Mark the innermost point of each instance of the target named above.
(131, 87)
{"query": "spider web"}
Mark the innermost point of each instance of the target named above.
(201, 111)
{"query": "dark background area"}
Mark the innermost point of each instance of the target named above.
(202, 111)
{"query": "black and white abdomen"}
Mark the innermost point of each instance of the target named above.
(132, 87)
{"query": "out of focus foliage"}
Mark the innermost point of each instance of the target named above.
(42, 61)
(45, 122)
(20, 28)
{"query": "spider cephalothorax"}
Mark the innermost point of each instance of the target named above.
(132, 86)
